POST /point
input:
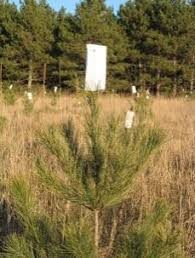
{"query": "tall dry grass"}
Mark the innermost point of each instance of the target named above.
(170, 175)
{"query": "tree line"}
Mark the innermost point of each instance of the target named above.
(151, 44)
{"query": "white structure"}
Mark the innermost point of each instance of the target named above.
(134, 90)
(95, 78)
(55, 89)
(147, 94)
(129, 119)
(29, 96)
(11, 86)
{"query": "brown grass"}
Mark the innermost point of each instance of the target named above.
(171, 175)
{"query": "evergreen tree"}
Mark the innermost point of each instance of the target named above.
(95, 23)
(63, 52)
(101, 175)
(160, 32)
(174, 24)
(36, 37)
(8, 40)
(188, 50)
(133, 17)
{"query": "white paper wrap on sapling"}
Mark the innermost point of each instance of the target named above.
(134, 90)
(29, 96)
(96, 66)
(129, 119)
(55, 89)
(147, 94)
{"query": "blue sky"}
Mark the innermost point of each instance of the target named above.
(70, 4)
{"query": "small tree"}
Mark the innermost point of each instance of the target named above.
(100, 174)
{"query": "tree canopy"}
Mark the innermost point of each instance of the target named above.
(150, 44)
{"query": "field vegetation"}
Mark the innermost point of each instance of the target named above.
(145, 209)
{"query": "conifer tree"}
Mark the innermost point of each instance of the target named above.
(134, 19)
(63, 52)
(95, 23)
(8, 40)
(100, 176)
(188, 49)
(160, 30)
(36, 27)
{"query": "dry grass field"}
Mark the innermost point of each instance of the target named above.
(170, 175)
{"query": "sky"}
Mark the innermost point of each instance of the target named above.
(70, 4)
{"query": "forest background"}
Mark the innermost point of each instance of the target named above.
(151, 44)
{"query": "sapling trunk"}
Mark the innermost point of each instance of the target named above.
(192, 82)
(158, 85)
(113, 232)
(96, 236)
(59, 73)
(140, 73)
(175, 78)
(67, 209)
(30, 74)
(44, 75)
(1, 76)
(192, 75)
